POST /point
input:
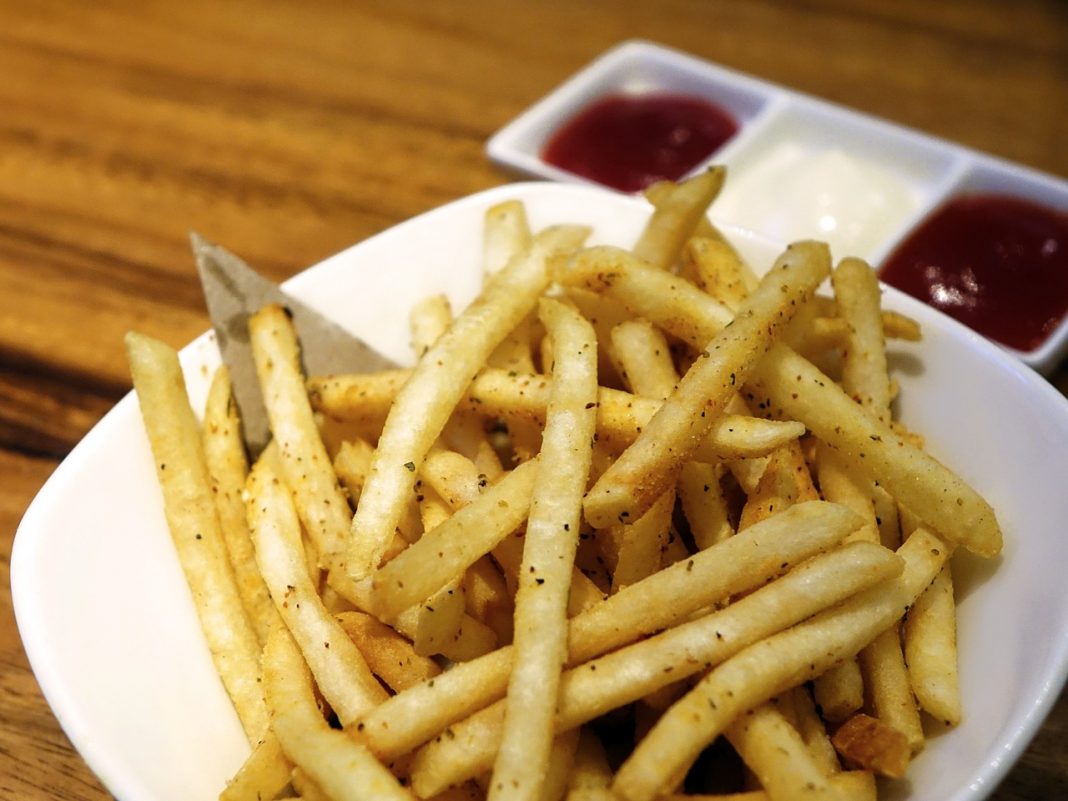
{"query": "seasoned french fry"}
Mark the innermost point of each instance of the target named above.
(428, 320)
(430, 395)
(443, 553)
(774, 665)
(224, 454)
(864, 375)
(264, 774)
(341, 673)
(704, 504)
(174, 436)
(931, 650)
(390, 656)
(736, 565)
(677, 210)
(667, 300)
(540, 640)
(773, 749)
(798, 391)
(717, 269)
(343, 768)
(596, 687)
(642, 472)
(306, 466)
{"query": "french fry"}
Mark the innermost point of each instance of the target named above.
(772, 666)
(774, 750)
(704, 504)
(856, 785)
(390, 656)
(540, 639)
(264, 774)
(642, 472)
(182, 472)
(428, 398)
(798, 706)
(441, 613)
(591, 775)
(443, 553)
(428, 320)
(873, 745)
(306, 466)
(341, 767)
(224, 454)
(798, 391)
(677, 210)
(717, 269)
(669, 301)
(340, 671)
(506, 233)
(596, 687)
(664, 599)
(864, 375)
(931, 650)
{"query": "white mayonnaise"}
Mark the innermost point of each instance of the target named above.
(792, 191)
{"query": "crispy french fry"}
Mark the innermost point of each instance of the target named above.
(430, 395)
(741, 563)
(798, 391)
(341, 767)
(641, 473)
(774, 665)
(873, 745)
(175, 439)
(540, 639)
(596, 687)
(428, 320)
(677, 210)
(390, 656)
(506, 233)
(773, 749)
(717, 269)
(704, 504)
(306, 466)
(931, 650)
(263, 775)
(224, 453)
(864, 374)
(341, 673)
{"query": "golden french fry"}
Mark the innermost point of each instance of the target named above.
(797, 390)
(596, 687)
(642, 472)
(678, 208)
(341, 673)
(182, 472)
(322, 506)
(772, 666)
(428, 398)
(445, 552)
(506, 233)
(704, 504)
(428, 320)
(717, 269)
(864, 375)
(667, 300)
(540, 637)
(664, 599)
(873, 745)
(224, 453)
(390, 656)
(264, 774)
(341, 767)
(931, 650)
(774, 751)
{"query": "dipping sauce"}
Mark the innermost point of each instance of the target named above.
(628, 142)
(998, 264)
(799, 190)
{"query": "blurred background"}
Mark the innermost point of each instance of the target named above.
(288, 130)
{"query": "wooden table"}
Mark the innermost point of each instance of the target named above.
(289, 130)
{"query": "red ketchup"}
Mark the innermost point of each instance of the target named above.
(998, 264)
(630, 141)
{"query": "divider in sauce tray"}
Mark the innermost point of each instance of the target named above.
(803, 167)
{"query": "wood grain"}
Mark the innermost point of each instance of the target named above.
(288, 130)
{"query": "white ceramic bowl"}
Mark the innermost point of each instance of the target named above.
(113, 639)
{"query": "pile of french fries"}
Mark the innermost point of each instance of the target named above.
(636, 525)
